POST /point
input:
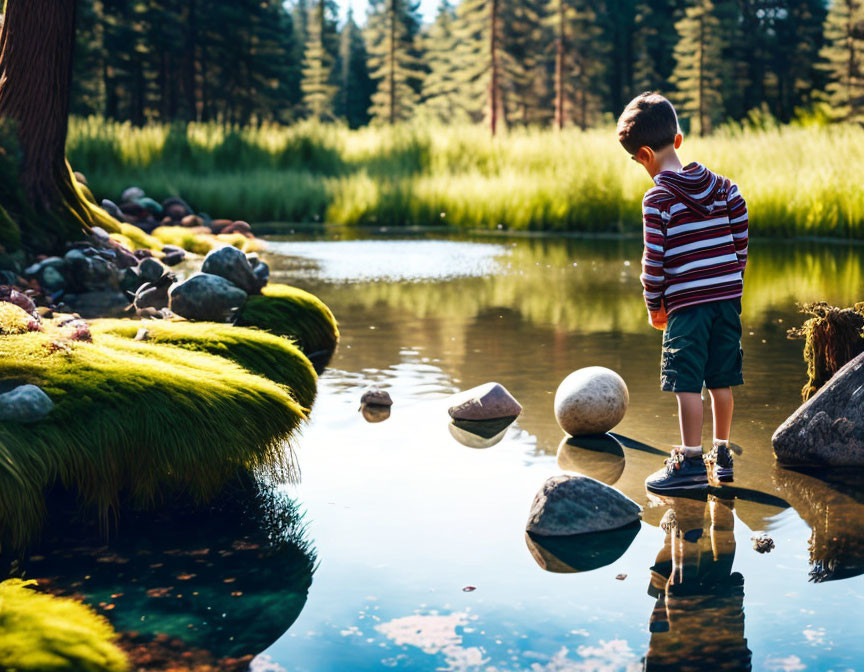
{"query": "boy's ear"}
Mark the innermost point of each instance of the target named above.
(678, 140)
(644, 155)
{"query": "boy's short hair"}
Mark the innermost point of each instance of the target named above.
(649, 120)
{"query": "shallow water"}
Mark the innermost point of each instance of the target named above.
(405, 518)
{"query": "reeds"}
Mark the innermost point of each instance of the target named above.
(797, 180)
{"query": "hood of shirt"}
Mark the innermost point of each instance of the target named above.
(695, 186)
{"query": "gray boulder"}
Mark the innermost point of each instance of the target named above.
(89, 272)
(132, 194)
(26, 403)
(52, 279)
(151, 269)
(574, 504)
(828, 429)
(207, 297)
(230, 263)
(484, 402)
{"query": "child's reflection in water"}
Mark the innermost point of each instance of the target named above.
(698, 619)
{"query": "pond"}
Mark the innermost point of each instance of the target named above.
(423, 559)
(411, 552)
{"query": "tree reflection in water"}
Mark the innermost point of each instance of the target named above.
(188, 589)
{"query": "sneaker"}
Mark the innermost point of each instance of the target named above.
(680, 473)
(720, 460)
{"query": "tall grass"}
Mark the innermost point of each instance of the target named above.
(798, 180)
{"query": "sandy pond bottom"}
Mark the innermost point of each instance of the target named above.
(423, 559)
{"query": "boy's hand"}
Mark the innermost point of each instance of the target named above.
(657, 318)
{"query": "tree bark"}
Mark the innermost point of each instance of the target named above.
(36, 45)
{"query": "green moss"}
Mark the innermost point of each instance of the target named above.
(137, 239)
(134, 420)
(288, 311)
(274, 357)
(43, 633)
(14, 320)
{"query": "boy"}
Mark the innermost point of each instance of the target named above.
(695, 231)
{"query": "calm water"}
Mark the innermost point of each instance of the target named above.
(404, 517)
(401, 517)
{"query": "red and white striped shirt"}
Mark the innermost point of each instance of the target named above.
(695, 231)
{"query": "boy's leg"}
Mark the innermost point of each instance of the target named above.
(690, 420)
(721, 408)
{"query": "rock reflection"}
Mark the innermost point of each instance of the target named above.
(581, 552)
(831, 502)
(373, 413)
(599, 456)
(190, 590)
(698, 617)
(480, 433)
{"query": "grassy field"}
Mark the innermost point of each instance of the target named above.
(798, 181)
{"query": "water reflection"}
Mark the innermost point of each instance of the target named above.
(581, 552)
(832, 503)
(698, 618)
(480, 433)
(601, 457)
(189, 590)
(373, 413)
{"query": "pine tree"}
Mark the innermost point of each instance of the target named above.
(355, 85)
(697, 75)
(440, 86)
(393, 60)
(480, 35)
(799, 41)
(843, 54)
(654, 47)
(579, 62)
(318, 91)
(526, 90)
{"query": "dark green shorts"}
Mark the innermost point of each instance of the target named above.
(702, 346)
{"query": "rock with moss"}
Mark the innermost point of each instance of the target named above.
(134, 420)
(828, 429)
(207, 298)
(274, 357)
(230, 263)
(292, 312)
(24, 403)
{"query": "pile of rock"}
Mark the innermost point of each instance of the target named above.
(147, 214)
(216, 294)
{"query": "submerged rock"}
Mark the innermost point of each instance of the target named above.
(484, 402)
(828, 429)
(26, 403)
(591, 401)
(762, 543)
(206, 297)
(571, 504)
(230, 263)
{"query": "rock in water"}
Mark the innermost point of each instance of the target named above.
(207, 298)
(373, 413)
(591, 401)
(230, 263)
(26, 403)
(828, 429)
(485, 402)
(132, 194)
(574, 504)
(375, 396)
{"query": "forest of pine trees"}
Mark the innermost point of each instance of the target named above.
(499, 62)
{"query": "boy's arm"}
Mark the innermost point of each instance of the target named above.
(738, 218)
(654, 240)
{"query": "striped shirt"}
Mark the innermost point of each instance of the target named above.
(695, 231)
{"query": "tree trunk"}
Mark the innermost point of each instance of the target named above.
(493, 78)
(36, 44)
(392, 56)
(559, 69)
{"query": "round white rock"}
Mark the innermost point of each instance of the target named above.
(591, 401)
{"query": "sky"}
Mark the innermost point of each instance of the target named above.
(427, 9)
